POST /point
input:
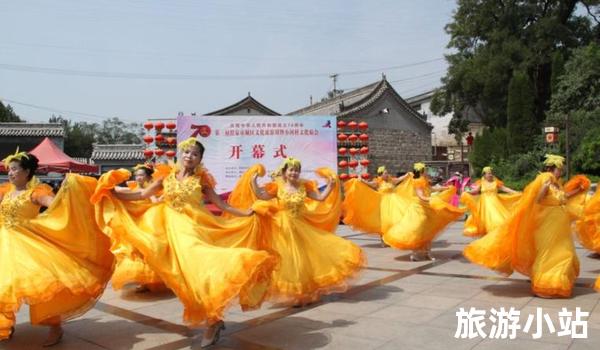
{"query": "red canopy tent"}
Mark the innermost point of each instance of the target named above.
(53, 159)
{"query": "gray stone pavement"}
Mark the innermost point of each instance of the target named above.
(393, 304)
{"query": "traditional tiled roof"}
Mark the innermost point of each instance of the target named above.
(356, 101)
(32, 130)
(118, 152)
(332, 106)
(83, 160)
(244, 104)
(427, 96)
(420, 98)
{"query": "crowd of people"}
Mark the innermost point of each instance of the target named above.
(273, 242)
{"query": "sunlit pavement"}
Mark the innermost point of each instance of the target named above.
(393, 304)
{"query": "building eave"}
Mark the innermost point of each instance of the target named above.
(247, 102)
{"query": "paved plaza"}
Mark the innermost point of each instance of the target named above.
(393, 304)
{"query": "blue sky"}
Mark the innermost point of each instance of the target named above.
(215, 48)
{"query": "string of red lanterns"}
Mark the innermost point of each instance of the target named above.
(159, 139)
(356, 160)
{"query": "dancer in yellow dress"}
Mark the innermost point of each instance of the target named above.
(313, 260)
(131, 267)
(424, 216)
(374, 206)
(490, 209)
(537, 239)
(175, 238)
(59, 261)
(588, 226)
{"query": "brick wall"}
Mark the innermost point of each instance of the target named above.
(398, 150)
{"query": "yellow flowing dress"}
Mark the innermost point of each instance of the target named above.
(373, 211)
(489, 209)
(59, 261)
(588, 227)
(537, 239)
(313, 260)
(421, 222)
(131, 267)
(175, 237)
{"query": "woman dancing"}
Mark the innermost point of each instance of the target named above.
(537, 239)
(175, 237)
(489, 209)
(131, 267)
(58, 262)
(299, 228)
(424, 216)
(374, 206)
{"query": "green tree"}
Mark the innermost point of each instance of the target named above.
(458, 127)
(116, 131)
(578, 96)
(490, 39)
(558, 69)
(7, 114)
(481, 155)
(587, 156)
(521, 124)
(488, 147)
(81, 136)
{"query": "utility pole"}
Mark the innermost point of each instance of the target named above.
(567, 152)
(334, 77)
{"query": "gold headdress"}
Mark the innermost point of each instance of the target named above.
(419, 167)
(487, 169)
(554, 160)
(188, 143)
(289, 162)
(16, 156)
(381, 170)
(143, 166)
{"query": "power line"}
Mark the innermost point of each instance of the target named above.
(63, 111)
(379, 70)
(195, 57)
(156, 76)
(403, 79)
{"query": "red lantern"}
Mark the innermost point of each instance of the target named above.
(343, 164)
(353, 176)
(343, 176)
(148, 125)
(352, 138)
(342, 137)
(171, 125)
(353, 151)
(363, 125)
(353, 163)
(341, 124)
(159, 126)
(363, 137)
(148, 139)
(171, 140)
(352, 125)
(148, 153)
(364, 150)
(159, 152)
(365, 176)
(170, 154)
(364, 162)
(551, 138)
(159, 138)
(342, 150)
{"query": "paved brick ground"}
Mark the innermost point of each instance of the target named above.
(393, 304)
